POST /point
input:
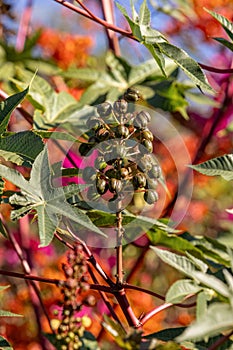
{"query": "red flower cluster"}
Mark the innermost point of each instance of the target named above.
(66, 49)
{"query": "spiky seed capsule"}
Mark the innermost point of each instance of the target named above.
(120, 106)
(104, 109)
(94, 123)
(146, 144)
(115, 185)
(124, 172)
(122, 131)
(147, 134)
(132, 95)
(151, 196)
(101, 185)
(146, 115)
(139, 180)
(140, 121)
(102, 134)
(155, 171)
(100, 163)
(151, 183)
(111, 173)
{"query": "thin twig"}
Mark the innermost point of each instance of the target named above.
(109, 16)
(154, 312)
(150, 292)
(220, 341)
(24, 26)
(119, 257)
(95, 18)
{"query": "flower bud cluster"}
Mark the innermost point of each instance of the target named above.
(71, 328)
(125, 161)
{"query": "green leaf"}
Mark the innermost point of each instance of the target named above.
(186, 63)
(226, 24)
(212, 282)
(222, 166)
(166, 334)
(49, 202)
(4, 345)
(202, 302)
(225, 43)
(7, 107)
(218, 318)
(56, 135)
(181, 289)
(4, 313)
(21, 148)
(181, 263)
(172, 241)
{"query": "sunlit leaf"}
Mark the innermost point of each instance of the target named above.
(213, 282)
(18, 149)
(222, 166)
(181, 263)
(7, 106)
(226, 24)
(218, 318)
(181, 289)
(49, 202)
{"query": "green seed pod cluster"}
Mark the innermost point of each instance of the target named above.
(124, 146)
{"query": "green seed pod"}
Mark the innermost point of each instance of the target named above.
(132, 95)
(89, 174)
(111, 173)
(102, 134)
(155, 171)
(122, 131)
(94, 123)
(120, 106)
(140, 121)
(124, 172)
(146, 144)
(146, 115)
(115, 185)
(139, 181)
(147, 134)
(104, 109)
(100, 163)
(151, 196)
(101, 185)
(151, 183)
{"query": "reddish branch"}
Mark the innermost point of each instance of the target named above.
(84, 11)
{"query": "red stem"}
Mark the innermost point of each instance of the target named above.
(154, 312)
(24, 26)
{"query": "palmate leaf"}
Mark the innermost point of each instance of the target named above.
(222, 166)
(52, 108)
(7, 107)
(158, 45)
(218, 318)
(49, 202)
(21, 148)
